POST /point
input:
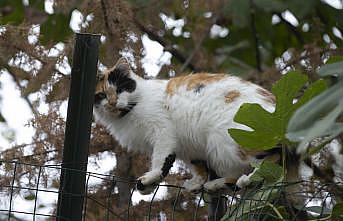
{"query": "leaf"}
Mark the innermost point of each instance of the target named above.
(337, 211)
(301, 8)
(13, 12)
(240, 12)
(334, 59)
(269, 128)
(55, 29)
(335, 69)
(324, 127)
(256, 202)
(271, 5)
(268, 171)
(318, 209)
(30, 197)
(308, 122)
(2, 119)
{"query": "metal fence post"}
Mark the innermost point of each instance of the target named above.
(78, 126)
(217, 204)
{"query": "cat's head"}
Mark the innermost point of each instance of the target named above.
(114, 92)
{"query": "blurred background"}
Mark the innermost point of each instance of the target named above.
(258, 40)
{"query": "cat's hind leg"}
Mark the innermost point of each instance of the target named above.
(199, 176)
(224, 183)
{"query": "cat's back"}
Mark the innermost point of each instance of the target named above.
(215, 89)
(211, 100)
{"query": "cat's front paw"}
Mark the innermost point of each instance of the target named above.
(144, 189)
(243, 181)
(146, 183)
(215, 185)
(194, 185)
(151, 177)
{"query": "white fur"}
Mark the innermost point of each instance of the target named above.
(192, 125)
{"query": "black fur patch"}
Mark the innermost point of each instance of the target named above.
(232, 186)
(120, 78)
(99, 97)
(168, 163)
(140, 185)
(199, 88)
(269, 152)
(127, 110)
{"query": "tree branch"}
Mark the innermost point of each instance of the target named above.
(292, 29)
(103, 6)
(255, 37)
(198, 45)
(167, 46)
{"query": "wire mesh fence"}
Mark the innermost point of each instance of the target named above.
(282, 201)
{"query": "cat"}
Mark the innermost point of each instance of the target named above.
(185, 118)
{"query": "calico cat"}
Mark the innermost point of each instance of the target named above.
(185, 117)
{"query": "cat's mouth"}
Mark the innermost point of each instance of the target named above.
(125, 110)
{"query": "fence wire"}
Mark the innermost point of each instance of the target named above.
(276, 202)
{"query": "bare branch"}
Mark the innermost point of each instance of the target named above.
(255, 36)
(293, 29)
(167, 46)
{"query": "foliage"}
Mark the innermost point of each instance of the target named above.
(318, 117)
(269, 128)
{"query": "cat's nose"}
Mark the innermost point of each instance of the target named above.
(98, 97)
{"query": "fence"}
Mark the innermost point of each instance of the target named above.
(256, 203)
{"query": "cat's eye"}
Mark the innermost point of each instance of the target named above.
(99, 96)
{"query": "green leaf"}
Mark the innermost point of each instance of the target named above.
(337, 211)
(271, 5)
(268, 171)
(2, 119)
(334, 59)
(301, 8)
(240, 12)
(269, 128)
(14, 14)
(332, 69)
(55, 29)
(317, 209)
(30, 197)
(308, 121)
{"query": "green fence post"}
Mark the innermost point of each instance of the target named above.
(78, 127)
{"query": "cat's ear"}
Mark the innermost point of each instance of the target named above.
(122, 66)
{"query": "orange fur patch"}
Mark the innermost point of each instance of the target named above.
(201, 170)
(230, 180)
(101, 86)
(192, 81)
(231, 96)
(267, 96)
(245, 154)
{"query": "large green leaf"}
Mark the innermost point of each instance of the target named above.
(269, 128)
(317, 118)
(332, 69)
